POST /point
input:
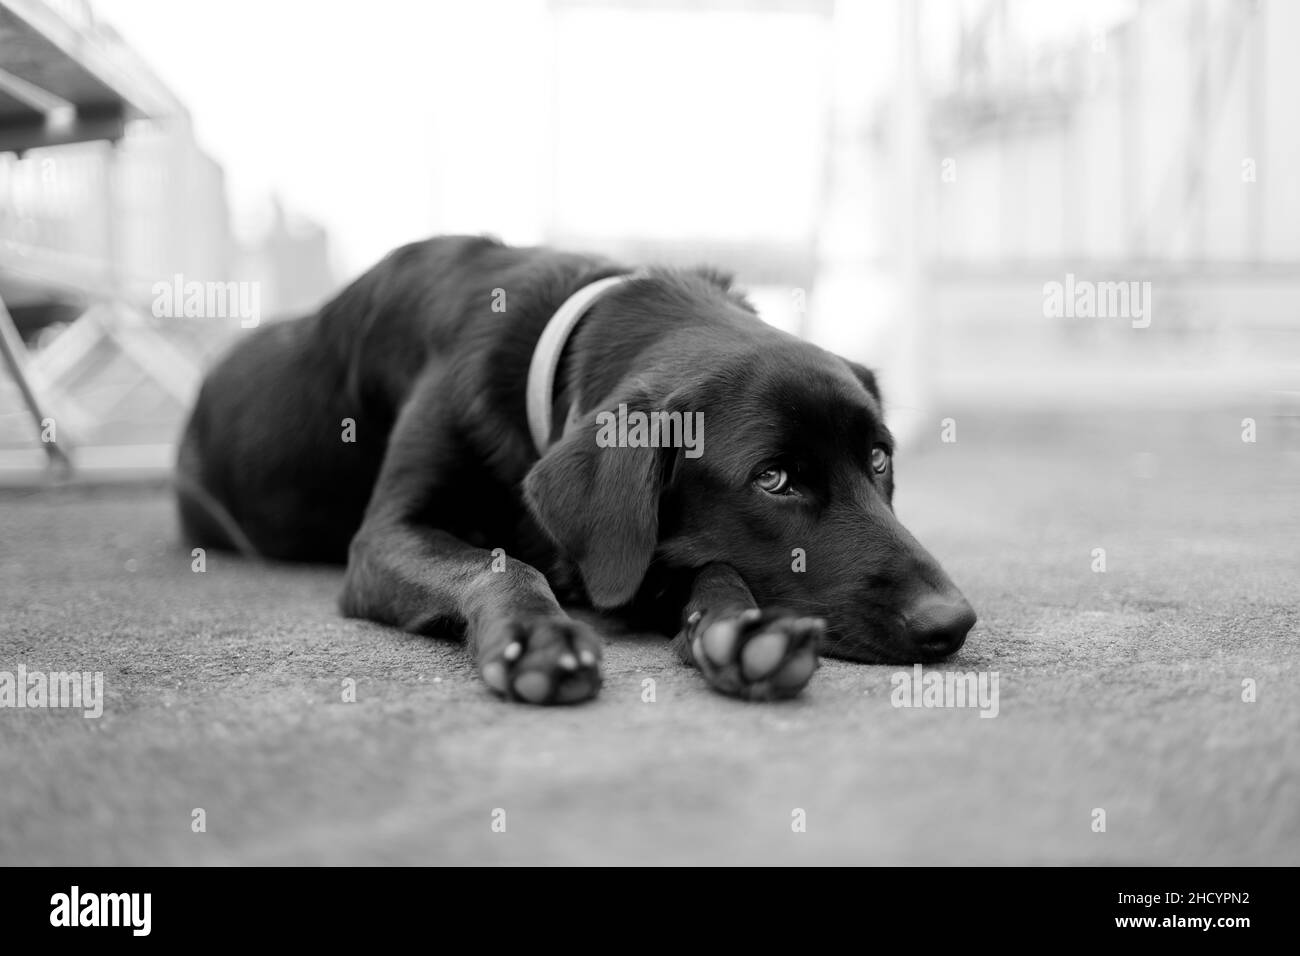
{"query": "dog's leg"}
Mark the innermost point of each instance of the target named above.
(406, 571)
(425, 580)
(742, 650)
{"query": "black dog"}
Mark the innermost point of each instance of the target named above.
(390, 430)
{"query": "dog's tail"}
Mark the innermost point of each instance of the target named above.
(204, 519)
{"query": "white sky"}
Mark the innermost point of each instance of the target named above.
(389, 120)
(334, 105)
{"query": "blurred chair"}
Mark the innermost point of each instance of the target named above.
(69, 80)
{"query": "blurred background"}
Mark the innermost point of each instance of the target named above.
(916, 185)
(897, 181)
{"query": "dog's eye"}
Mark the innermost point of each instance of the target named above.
(879, 459)
(775, 481)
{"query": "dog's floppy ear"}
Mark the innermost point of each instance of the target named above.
(866, 377)
(600, 505)
(723, 280)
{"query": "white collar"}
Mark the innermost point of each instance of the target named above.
(539, 393)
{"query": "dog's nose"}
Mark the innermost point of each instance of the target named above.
(938, 624)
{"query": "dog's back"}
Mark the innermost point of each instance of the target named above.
(290, 428)
(275, 443)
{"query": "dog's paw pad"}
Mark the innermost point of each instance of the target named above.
(797, 671)
(759, 655)
(762, 655)
(719, 642)
(534, 687)
(494, 675)
(547, 660)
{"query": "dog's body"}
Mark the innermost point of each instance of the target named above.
(389, 430)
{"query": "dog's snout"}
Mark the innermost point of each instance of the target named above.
(937, 624)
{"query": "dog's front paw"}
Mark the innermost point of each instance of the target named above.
(542, 660)
(757, 655)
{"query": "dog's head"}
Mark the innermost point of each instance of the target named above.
(771, 457)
